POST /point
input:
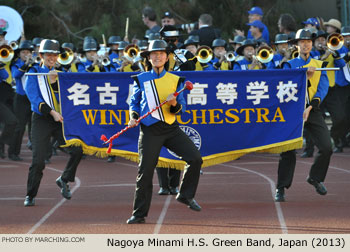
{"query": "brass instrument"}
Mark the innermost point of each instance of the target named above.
(6, 53)
(105, 61)
(66, 58)
(14, 45)
(131, 52)
(295, 53)
(204, 54)
(37, 59)
(264, 54)
(230, 56)
(335, 41)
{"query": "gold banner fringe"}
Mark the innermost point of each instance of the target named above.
(180, 165)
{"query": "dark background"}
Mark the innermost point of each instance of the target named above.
(71, 20)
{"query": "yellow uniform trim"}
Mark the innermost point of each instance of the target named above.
(166, 86)
(315, 79)
(180, 165)
(330, 74)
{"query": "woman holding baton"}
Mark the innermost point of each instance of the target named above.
(160, 129)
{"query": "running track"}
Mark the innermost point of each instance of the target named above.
(236, 197)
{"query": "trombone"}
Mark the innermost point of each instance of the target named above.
(264, 54)
(204, 54)
(335, 41)
(131, 52)
(6, 53)
(66, 58)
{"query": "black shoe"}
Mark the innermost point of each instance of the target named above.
(191, 203)
(306, 154)
(111, 159)
(29, 201)
(164, 191)
(65, 191)
(338, 150)
(174, 190)
(136, 220)
(14, 157)
(319, 186)
(279, 196)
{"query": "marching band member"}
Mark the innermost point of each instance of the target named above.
(70, 66)
(191, 45)
(113, 43)
(219, 50)
(249, 62)
(342, 78)
(93, 62)
(6, 98)
(121, 62)
(331, 102)
(169, 179)
(282, 52)
(157, 131)
(21, 104)
(47, 121)
(36, 43)
(317, 88)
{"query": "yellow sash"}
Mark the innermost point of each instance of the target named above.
(73, 68)
(330, 74)
(199, 66)
(166, 86)
(9, 79)
(315, 79)
(55, 102)
(224, 65)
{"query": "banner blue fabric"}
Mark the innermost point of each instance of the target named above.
(228, 113)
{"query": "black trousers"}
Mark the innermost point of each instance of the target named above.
(23, 114)
(319, 133)
(168, 178)
(7, 117)
(43, 127)
(151, 140)
(344, 94)
(334, 105)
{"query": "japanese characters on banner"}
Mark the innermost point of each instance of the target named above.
(228, 113)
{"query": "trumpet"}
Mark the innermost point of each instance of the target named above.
(14, 45)
(66, 58)
(335, 41)
(131, 52)
(230, 56)
(105, 61)
(37, 59)
(204, 54)
(6, 53)
(264, 54)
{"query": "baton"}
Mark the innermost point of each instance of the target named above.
(188, 85)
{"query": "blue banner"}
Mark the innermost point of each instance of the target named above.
(228, 113)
